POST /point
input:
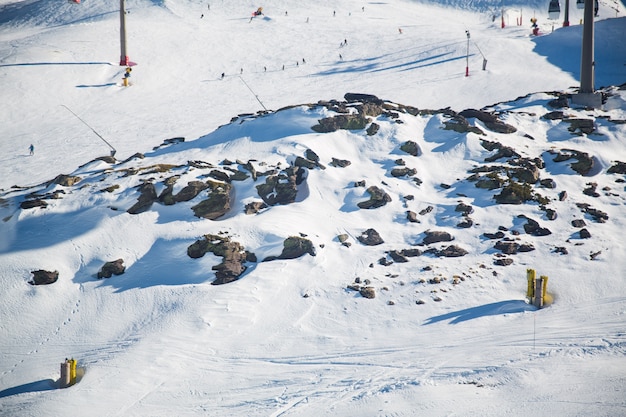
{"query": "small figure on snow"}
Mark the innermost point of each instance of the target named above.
(31, 148)
(400, 31)
(223, 76)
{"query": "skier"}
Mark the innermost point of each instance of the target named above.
(31, 148)
(223, 75)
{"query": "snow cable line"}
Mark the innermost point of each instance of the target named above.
(113, 150)
(255, 96)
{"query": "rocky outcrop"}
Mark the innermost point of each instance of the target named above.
(281, 189)
(218, 202)
(41, 277)
(146, 198)
(112, 268)
(233, 256)
(370, 237)
(436, 236)
(410, 147)
(354, 121)
(490, 121)
(294, 247)
(378, 198)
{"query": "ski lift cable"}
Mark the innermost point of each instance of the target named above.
(113, 150)
(255, 95)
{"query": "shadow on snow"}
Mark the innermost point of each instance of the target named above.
(493, 309)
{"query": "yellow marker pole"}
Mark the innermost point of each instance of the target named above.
(531, 276)
(72, 371)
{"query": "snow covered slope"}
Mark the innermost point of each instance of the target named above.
(443, 336)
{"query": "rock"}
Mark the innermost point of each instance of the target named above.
(340, 163)
(553, 115)
(514, 193)
(490, 121)
(551, 214)
(66, 180)
(561, 250)
(29, 204)
(598, 216)
(562, 195)
(578, 223)
(367, 292)
(560, 102)
(233, 256)
(303, 162)
(591, 190)
(363, 98)
(584, 162)
(466, 223)
(219, 175)
(488, 183)
(528, 174)
(412, 216)
(341, 121)
(378, 198)
(584, 234)
(410, 147)
(294, 247)
(503, 261)
(581, 126)
(497, 235)
(548, 183)
(280, 189)
(403, 172)
(112, 268)
(452, 251)
(41, 277)
(618, 168)
(311, 156)
(146, 198)
(217, 204)
(436, 237)
(427, 210)
(525, 247)
(397, 256)
(190, 191)
(411, 253)
(506, 247)
(372, 129)
(460, 124)
(254, 207)
(370, 238)
(466, 209)
(503, 152)
(532, 228)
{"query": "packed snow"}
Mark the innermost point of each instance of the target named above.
(288, 338)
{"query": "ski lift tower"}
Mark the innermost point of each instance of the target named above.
(586, 95)
(124, 60)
